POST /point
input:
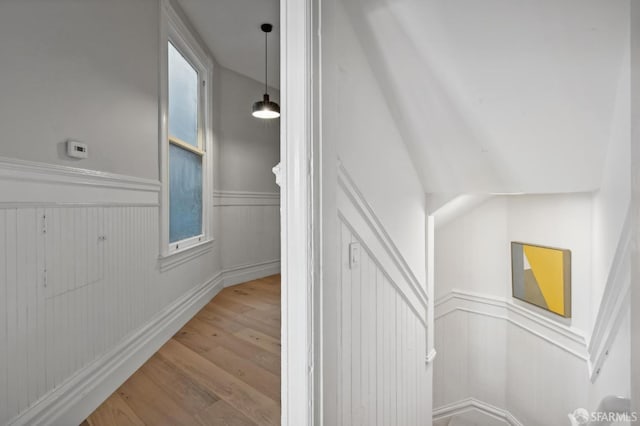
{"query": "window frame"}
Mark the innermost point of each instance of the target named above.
(175, 31)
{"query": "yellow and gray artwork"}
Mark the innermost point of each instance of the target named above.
(542, 277)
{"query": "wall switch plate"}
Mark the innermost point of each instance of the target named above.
(354, 255)
(77, 149)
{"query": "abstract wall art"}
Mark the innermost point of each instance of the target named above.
(542, 276)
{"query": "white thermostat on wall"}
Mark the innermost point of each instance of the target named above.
(77, 149)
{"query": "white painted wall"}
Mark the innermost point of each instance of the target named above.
(507, 353)
(371, 194)
(458, 265)
(89, 71)
(473, 252)
(562, 221)
(370, 145)
(81, 70)
(611, 210)
(250, 234)
(611, 202)
(249, 147)
(247, 196)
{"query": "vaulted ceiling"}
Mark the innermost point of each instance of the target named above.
(491, 96)
(231, 30)
(500, 96)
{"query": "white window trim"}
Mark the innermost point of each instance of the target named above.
(175, 30)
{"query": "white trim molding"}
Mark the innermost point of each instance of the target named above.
(83, 392)
(169, 262)
(564, 337)
(244, 273)
(244, 198)
(356, 214)
(430, 243)
(383, 260)
(28, 182)
(357, 199)
(594, 348)
(472, 404)
(614, 304)
(297, 144)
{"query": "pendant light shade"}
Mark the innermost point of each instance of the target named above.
(265, 108)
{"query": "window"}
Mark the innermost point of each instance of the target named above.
(185, 127)
(185, 150)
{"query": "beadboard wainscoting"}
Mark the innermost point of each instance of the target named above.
(382, 326)
(493, 351)
(250, 234)
(83, 302)
(506, 354)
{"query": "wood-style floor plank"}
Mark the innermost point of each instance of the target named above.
(258, 407)
(192, 337)
(222, 414)
(228, 324)
(245, 370)
(257, 293)
(221, 368)
(114, 411)
(259, 339)
(152, 404)
(186, 392)
(264, 325)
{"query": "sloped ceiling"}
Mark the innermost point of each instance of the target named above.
(499, 96)
(231, 30)
(492, 96)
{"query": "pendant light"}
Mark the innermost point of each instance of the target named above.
(265, 108)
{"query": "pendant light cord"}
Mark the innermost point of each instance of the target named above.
(265, 62)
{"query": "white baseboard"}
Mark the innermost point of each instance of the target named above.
(471, 405)
(244, 273)
(74, 400)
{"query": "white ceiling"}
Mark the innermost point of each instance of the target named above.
(492, 96)
(231, 30)
(498, 95)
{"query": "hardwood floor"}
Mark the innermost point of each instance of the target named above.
(221, 368)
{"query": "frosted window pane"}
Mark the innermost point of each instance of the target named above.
(185, 194)
(183, 98)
